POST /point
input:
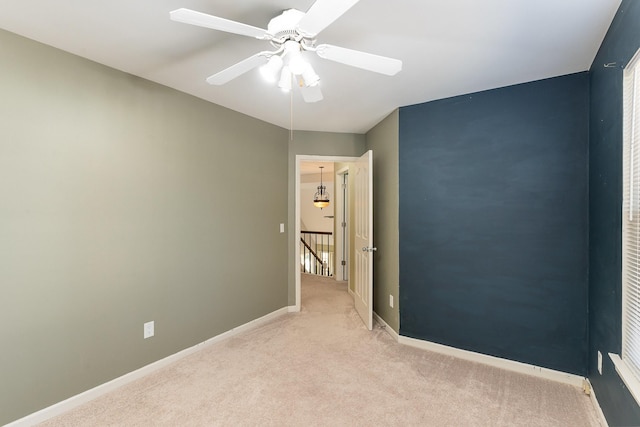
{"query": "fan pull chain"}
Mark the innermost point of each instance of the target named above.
(291, 113)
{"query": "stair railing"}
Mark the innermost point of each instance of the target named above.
(316, 252)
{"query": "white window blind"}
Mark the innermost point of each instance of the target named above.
(631, 218)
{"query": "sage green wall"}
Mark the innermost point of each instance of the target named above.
(383, 139)
(123, 201)
(318, 144)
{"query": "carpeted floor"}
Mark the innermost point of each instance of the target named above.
(321, 367)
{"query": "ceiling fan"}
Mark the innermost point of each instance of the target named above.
(291, 33)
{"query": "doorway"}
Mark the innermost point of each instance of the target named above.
(318, 238)
(300, 160)
(361, 265)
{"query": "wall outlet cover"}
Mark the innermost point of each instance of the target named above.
(599, 362)
(149, 329)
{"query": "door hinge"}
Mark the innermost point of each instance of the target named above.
(343, 262)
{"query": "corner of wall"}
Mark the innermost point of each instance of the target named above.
(383, 140)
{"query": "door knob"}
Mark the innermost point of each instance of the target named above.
(366, 249)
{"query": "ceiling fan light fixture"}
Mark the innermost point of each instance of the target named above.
(296, 63)
(310, 77)
(285, 79)
(293, 35)
(269, 71)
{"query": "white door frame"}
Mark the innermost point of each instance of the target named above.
(299, 159)
(341, 241)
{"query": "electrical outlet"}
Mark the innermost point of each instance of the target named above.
(391, 301)
(281, 228)
(149, 329)
(599, 363)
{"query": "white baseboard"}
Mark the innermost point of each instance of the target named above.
(509, 365)
(93, 393)
(596, 405)
(387, 328)
(293, 309)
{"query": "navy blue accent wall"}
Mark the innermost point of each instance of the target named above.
(605, 198)
(494, 225)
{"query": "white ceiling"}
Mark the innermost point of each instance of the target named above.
(309, 168)
(448, 48)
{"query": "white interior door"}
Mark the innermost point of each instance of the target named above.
(363, 210)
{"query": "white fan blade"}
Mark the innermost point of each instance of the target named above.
(311, 93)
(238, 69)
(322, 14)
(355, 58)
(200, 19)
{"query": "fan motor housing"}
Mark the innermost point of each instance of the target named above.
(284, 26)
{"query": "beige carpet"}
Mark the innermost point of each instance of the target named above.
(322, 367)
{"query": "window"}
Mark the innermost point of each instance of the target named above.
(629, 369)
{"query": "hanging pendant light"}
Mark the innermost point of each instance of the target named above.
(321, 198)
